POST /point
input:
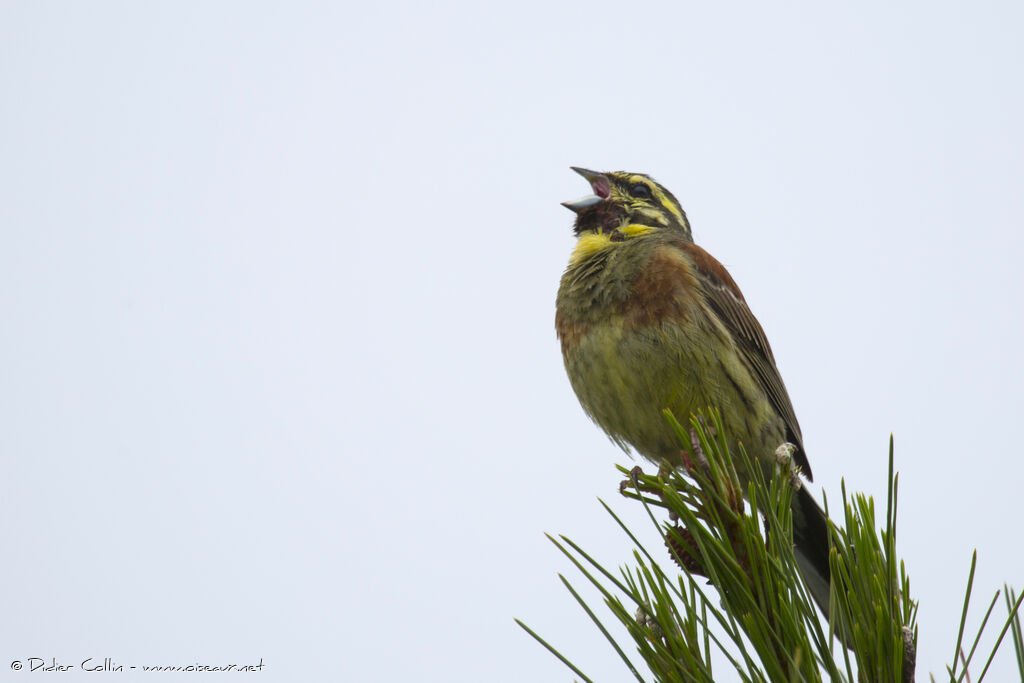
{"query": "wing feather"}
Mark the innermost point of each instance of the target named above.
(726, 300)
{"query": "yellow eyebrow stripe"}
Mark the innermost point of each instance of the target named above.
(668, 204)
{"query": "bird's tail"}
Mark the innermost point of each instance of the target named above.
(810, 536)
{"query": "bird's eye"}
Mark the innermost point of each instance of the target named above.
(640, 191)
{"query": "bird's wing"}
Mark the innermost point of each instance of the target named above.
(727, 301)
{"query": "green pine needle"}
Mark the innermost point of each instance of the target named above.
(760, 617)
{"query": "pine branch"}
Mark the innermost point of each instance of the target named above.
(756, 614)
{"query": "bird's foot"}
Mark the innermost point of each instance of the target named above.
(784, 459)
(634, 486)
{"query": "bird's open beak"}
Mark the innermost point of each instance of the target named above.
(598, 182)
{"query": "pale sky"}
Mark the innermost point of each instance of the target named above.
(280, 378)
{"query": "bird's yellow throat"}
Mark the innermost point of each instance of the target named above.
(590, 243)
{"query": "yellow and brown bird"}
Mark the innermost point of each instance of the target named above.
(648, 320)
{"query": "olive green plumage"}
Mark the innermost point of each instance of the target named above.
(625, 374)
(648, 320)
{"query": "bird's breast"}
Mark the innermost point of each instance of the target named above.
(636, 340)
(625, 376)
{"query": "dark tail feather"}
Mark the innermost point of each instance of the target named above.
(810, 536)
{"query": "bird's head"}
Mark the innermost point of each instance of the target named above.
(626, 205)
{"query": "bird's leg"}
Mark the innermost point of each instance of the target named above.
(708, 426)
(698, 459)
(784, 459)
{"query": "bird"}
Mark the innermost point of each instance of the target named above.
(648, 320)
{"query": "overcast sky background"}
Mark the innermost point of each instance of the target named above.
(277, 283)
